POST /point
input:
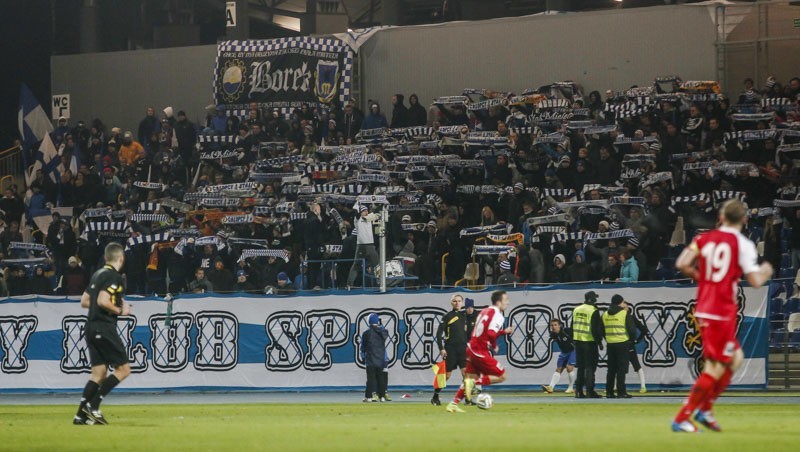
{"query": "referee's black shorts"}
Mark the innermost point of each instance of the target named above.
(456, 357)
(105, 346)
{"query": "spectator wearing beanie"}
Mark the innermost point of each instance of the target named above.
(74, 279)
(506, 276)
(558, 274)
(417, 114)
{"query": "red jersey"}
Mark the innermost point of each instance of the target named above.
(488, 327)
(724, 255)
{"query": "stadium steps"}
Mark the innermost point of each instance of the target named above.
(784, 370)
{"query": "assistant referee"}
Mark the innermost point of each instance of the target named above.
(103, 297)
(452, 340)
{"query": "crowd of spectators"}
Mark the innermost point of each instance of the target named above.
(549, 186)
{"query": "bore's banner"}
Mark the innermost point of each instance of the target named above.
(282, 73)
(312, 342)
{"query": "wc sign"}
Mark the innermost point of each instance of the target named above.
(230, 14)
(60, 106)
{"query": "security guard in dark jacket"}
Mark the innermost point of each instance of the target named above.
(587, 333)
(472, 315)
(619, 329)
(452, 340)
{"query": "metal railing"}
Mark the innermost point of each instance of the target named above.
(329, 269)
(10, 164)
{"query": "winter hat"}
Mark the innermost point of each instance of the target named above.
(617, 299)
(469, 303)
(374, 319)
(282, 276)
(614, 226)
(505, 265)
(580, 254)
(561, 257)
(604, 222)
(362, 208)
(406, 218)
(633, 241)
(519, 186)
(241, 272)
(72, 259)
(432, 224)
(168, 112)
(771, 81)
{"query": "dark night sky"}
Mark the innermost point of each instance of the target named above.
(25, 43)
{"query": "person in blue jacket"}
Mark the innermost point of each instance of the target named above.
(373, 352)
(630, 268)
(375, 119)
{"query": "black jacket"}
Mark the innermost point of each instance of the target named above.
(417, 115)
(452, 330)
(373, 346)
(564, 340)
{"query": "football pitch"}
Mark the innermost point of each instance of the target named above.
(275, 422)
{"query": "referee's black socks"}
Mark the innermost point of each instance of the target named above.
(88, 393)
(108, 384)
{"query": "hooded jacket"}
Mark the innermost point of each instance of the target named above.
(629, 271)
(373, 344)
(630, 325)
(399, 113)
(374, 120)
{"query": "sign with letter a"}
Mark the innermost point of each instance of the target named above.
(230, 14)
(60, 106)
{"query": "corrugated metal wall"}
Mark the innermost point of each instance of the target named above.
(599, 50)
(118, 86)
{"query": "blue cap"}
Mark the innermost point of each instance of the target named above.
(469, 303)
(241, 272)
(282, 276)
(374, 319)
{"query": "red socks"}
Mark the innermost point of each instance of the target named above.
(703, 389)
(483, 380)
(719, 388)
(459, 395)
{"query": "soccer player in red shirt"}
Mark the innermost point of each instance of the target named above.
(482, 367)
(717, 260)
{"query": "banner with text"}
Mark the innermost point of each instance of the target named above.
(312, 342)
(282, 73)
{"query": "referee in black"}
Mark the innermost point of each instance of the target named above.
(103, 297)
(452, 340)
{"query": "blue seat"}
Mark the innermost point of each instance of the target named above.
(794, 339)
(787, 272)
(776, 308)
(776, 338)
(786, 260)
(792, 306)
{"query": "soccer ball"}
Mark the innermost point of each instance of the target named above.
(484, 401)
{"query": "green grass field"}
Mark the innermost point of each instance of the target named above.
(395, 426)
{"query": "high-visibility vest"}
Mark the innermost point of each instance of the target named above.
(615, 327)
(582, 323)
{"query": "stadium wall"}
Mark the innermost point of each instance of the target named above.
(311, 342)
(118, 86)
(599, 50)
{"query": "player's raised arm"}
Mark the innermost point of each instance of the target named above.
(687, 261)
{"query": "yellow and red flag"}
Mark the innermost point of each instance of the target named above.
(440, 372)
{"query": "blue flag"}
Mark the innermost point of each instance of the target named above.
(33, 121)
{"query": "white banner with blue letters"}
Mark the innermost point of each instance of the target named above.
(311, 342)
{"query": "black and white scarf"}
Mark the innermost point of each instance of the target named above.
(149, 185)
(95, 226)
(483, 230)
(258, 252)
(142, 217)
(492, 250)
(144, 239)
(724, 195)
(219, 202)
